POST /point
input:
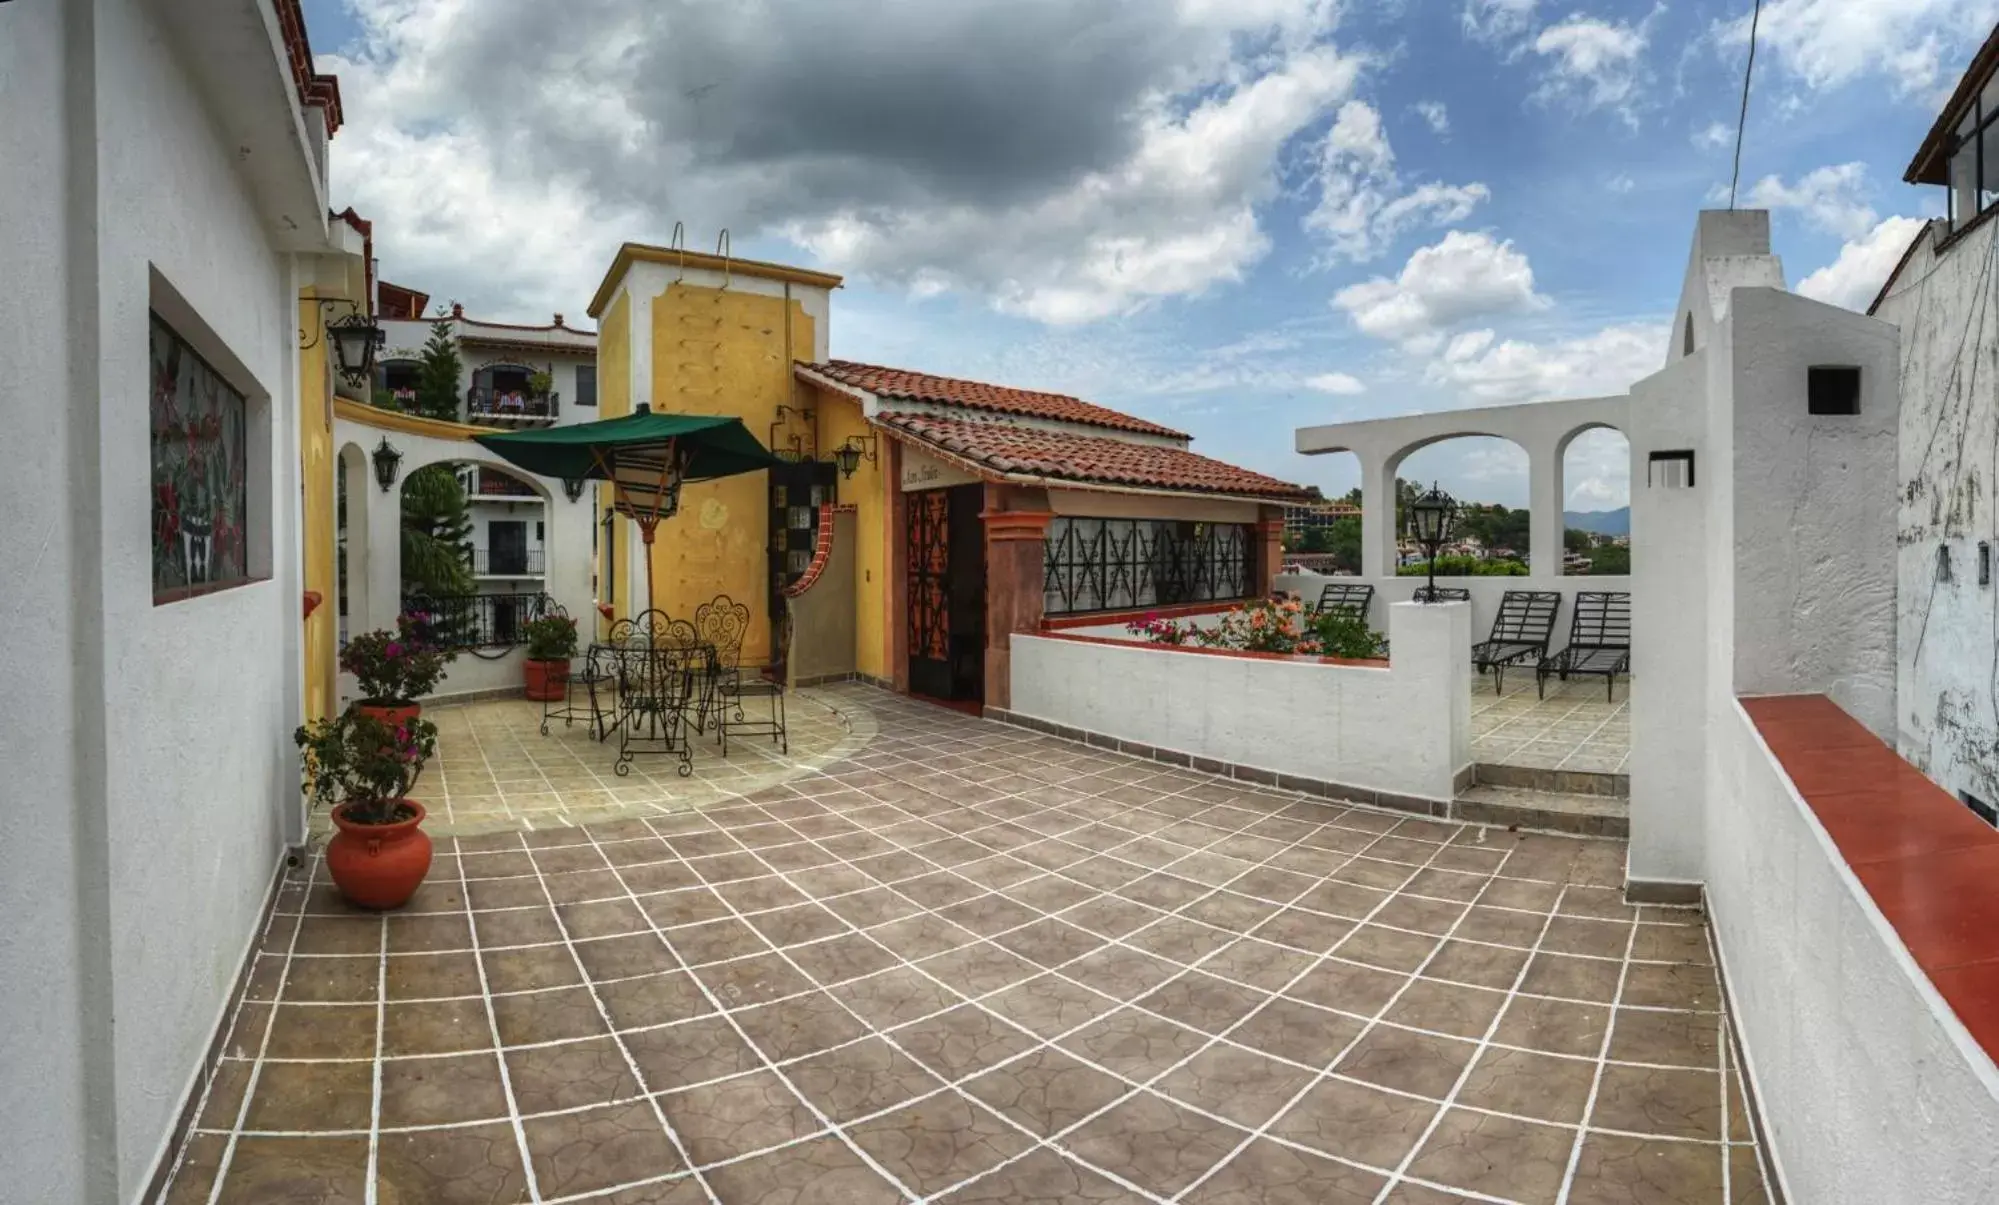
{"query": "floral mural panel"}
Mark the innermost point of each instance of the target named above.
(200, 472)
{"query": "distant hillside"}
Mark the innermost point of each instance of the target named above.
(1603, 522)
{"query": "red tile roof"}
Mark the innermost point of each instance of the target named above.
(976, 395)
(1011, 450)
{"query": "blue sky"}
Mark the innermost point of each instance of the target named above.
(1233, 216)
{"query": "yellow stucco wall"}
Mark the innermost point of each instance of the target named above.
(614, 400)
(317, 514)
(838, 417)
(722, 351)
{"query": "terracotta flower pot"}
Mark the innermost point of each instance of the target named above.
(393, 714)
(378, 865)
(546, 679)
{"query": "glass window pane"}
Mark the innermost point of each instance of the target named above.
(201, 496)
(1988, 181)
(586, 384)
(1963, 204)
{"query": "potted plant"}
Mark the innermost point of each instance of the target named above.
(364, 771)
(551, 643)
(540, 383)
(395, 669)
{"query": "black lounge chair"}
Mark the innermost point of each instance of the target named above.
(1520, 632)
(1352, 597)
(1599, 642)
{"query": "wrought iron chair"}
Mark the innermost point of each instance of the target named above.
(660, 685)
(1352, 597)
(723, 622)
(1599, 642)
(585, 674)
(1520, 631)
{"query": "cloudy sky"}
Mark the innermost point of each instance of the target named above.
(1233, 216)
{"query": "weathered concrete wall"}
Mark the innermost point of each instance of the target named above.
(1947, 624)
(822, 618)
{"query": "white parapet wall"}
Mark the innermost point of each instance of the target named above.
(1870, 1089)
(1400, 729)
(1485, 594)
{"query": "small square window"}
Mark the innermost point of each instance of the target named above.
(1832, 390)
(1672, 470)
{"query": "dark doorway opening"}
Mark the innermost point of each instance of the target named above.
(947, 593)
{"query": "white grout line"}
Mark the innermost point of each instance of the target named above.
(375, 1084)
(1721, 1065)
(263, 1045)
(493, 1031)
(1596, 1080)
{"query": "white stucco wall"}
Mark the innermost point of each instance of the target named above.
(1404, 729)
(1947, 721)
(1870, 1089)
(164, 784)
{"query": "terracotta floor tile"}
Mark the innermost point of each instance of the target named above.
(1405, 1061)
(1134, 1044)
(1267, 1173)
(1538, 1086)
(1616, 1170)
(1241, 1085)
(473, 1165)
(1520, 1160)
(737, 1116)
(824, 1171)
(1356, 1121)
(932, 1145)
(691, 1052)
(312, 1097)
(441, 1091)
(598, 1148)
(1671, 1103)
(1047, 1091)
(1972, 991)
(861, 1078)
(1154, 1143)
(327, 1171)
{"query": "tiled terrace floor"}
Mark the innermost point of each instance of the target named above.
(1574, 728)
(974, 964)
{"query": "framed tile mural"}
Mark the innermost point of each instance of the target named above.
(200, 429)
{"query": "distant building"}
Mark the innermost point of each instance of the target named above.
(1300, 519)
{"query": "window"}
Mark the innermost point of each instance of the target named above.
(201, 492)
(540, 532)
(1120, 564)
(586, 384)
(1832, 390)
(1974, 160)
(1672, 470)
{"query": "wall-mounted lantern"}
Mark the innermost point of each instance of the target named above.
(355, 338)
(386, 460)
(848, 456)
(1430, 518)
(572, 488)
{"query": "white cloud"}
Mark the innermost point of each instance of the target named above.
(1713, 136)
(1621, 182)
(1438, 117)
(1592, 63)
(1338, 383)
(1863, 265)
(1465, 276)
(1497, 20)
(1485, 369)
(1828, 197)
(1918, 46)
(1362, 207)
(1596, 471)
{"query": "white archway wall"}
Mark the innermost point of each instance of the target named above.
(566, 545)
(1498, 454)
(1601, 455)
(350, 587)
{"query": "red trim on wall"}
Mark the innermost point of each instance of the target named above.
(1098, 618)
(822, 547)
(313, 87)
(1928, 863)
(1358, 663)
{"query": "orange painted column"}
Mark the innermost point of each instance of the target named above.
(1269, 549)
(1016, 541)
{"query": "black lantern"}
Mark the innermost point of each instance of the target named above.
(386, 459)
(572, 487)
(355, 338)
(1430, 518)
(848, 456)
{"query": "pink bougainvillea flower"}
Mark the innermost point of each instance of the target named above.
(395, 649)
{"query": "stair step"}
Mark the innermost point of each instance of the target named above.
(1563, 782)
(1560, 811)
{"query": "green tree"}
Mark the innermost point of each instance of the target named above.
(1610, 559)
(1576, 540)
(437, 378)
(437, 533)
(1315, 539)
(1343, 541)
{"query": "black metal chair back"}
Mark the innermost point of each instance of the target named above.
(1526, 617)
(1442, 594)
(1602, 619)
(1353, 598)
(722, 622)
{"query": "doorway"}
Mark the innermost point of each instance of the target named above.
(947, 593)
(507, 547)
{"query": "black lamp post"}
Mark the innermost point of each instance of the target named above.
(386, 459)
(1430, 518)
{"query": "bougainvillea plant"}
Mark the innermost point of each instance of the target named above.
(551, 638)
(370, 766)
(1270, 626)
(399, 667)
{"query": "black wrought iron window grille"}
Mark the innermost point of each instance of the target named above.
(1126, 564)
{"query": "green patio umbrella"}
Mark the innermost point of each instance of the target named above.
(645, 456)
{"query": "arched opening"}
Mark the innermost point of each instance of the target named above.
(1325, 537)
(1687, 339)
(350, 531)
(474, 549)
(1487, 476)
(1595, 489)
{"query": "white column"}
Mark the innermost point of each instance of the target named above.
(1544, 503)
(1377, 514)
(384, 567)
(1432, 668)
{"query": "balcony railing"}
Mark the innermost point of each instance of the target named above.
(511, 406)
(506, 562)
(493, 484)
(478, 621)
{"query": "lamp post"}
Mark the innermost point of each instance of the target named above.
(386, 459)
(1430, 518)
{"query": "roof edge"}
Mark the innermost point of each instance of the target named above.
(1927, 166)
(631, 253)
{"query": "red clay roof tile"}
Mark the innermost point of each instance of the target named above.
(1010, 449)
(977, 395)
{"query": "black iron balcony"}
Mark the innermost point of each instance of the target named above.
(507, 562)
(511, 406)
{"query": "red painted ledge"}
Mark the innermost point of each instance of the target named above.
(1929, 864)
(1358, 662)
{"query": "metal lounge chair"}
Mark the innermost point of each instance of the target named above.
(1599, 642)
(1520, 632)
(1351, 597)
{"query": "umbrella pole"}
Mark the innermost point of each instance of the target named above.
(646, 531)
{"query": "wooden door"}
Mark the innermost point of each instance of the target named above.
(947, 593)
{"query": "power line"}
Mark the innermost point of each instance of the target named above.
(1742, 118)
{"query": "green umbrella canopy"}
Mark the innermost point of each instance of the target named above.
(706, 446)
